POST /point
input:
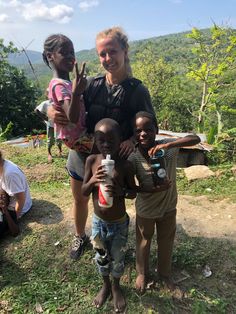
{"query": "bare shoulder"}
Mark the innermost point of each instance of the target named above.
(94, 158)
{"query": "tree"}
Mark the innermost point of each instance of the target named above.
(215, 59)
(18, 96)
(171, 93)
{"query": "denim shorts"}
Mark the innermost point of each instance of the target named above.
(109, 240)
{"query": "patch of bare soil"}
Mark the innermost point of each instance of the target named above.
(43, 172)
(198, 215)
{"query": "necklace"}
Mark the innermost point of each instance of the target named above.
(114, 81)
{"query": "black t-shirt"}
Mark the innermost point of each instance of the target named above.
(119, 102)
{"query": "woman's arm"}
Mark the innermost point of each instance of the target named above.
(59, 117)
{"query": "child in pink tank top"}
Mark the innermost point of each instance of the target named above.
(66, 95)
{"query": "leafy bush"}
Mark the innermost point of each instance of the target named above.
(5, 135)
(225, 149)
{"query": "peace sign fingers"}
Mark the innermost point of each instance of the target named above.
(82, 69)
(76, 71)
(79, 83)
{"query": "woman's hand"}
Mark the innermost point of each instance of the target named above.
(126, 148)
(59, 117)
(79, 83)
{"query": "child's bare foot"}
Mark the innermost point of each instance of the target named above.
(118, 298)
(168, 283)
(102, 295)
(140, 283)
(50, 159)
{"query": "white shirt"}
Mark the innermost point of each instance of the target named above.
(43, 108)
(13, 181)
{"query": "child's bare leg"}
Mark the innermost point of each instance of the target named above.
(118, 298)
(166, 228)
(59, 146)
(144, 233)
(168, 282)
(104, 292)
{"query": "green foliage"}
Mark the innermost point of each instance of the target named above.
(225, 149)
(7, 132)
(215, 54)
(170, 92)
(18, 95)
(223, 184)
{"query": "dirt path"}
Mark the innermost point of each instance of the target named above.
(197, 215)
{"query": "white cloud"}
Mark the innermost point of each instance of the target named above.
(4, 18)
(38, 10)
(11, 4)
(87, 4)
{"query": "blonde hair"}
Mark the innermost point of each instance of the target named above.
(118, 33)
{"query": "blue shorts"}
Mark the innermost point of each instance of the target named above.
(109, 240)
(75, 164)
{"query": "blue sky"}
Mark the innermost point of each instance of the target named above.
(30, 22)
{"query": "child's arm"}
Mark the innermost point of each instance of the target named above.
(126, 190)
(188, 140)
(158, 188)
(59, 117)
(131, 188)
(41, 110)
(20, 201)
(71, 107)
(90, 179)
(13, 227)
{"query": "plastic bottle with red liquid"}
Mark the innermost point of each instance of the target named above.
(104, 199)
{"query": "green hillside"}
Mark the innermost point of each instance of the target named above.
(173, 48)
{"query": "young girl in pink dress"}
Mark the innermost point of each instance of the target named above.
(59, 55)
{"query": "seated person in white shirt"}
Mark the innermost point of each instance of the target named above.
(15, 199)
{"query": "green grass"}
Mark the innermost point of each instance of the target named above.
(217, 187)
(38, 277)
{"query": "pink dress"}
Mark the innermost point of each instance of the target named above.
(73, 134)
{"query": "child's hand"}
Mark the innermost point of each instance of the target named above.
(80, 81)
(99, 175)
(152, 151)
(3, 202)
(163, 187)
(114, 189)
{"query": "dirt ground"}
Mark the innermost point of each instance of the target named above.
(197, 215)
